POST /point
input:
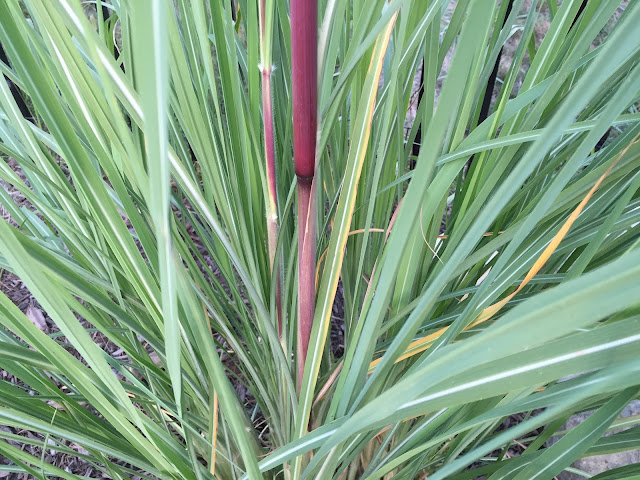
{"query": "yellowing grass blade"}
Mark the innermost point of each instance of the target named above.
(423, 343)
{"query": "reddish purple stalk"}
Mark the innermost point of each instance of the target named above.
(304, 58)
(272, 215)
(269, 147)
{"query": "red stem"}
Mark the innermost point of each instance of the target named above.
(272, 221)
(304, 53)
(304, 58)
(306, 269)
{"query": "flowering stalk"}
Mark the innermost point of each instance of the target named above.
(266, 22)
(304, 53)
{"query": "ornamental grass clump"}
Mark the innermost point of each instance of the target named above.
(248, 267)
